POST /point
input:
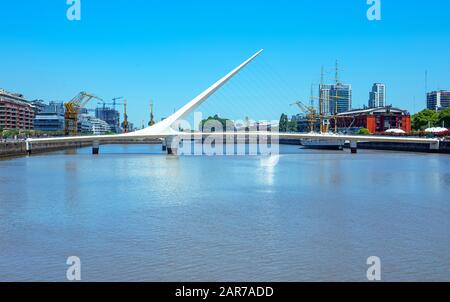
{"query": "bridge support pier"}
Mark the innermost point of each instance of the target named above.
(353, 147)
(28, 147)
(172, 143)
(435, 146)
(95, 148)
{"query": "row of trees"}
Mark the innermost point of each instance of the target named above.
(212, 121)
(286, 125)
(431, 118)
(28, 133)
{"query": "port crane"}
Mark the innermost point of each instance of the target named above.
(311, 113)
(72, 110)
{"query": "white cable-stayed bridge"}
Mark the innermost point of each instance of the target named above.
(171, 136)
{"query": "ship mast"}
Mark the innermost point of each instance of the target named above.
(336, 98)
(321, 100)
(152, 117)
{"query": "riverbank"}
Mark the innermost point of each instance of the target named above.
(18, 148)
(444, 146)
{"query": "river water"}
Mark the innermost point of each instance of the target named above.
(134, 214)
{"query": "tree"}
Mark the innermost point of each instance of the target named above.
(10, 133)
(283, 123)
(292, 126)
(425, 119)
(363, 131)
(227, 124)
(444, 118)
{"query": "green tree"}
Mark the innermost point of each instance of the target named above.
(227, 124)
(292, 126)
(10, 133)
(424, 119)
(283, 123)
(363, 131)
(444, 118)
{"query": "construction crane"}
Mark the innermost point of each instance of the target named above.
(115, 99)
(72, 110)
(114, 104)
(311, 114)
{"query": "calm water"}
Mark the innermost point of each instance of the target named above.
(132, 214)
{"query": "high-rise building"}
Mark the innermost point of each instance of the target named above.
(111, 116)
(437, 100)
(15, 111)
(377, 96)
(335, 98)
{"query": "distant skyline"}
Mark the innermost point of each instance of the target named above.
(171, 51)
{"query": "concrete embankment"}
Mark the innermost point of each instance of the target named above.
(11, 149)
(444, 146)
(19, 148)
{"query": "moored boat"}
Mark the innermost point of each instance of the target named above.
(323, 144)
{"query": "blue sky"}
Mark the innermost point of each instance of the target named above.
(173, 50)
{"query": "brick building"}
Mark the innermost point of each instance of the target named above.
(15, 112)
(376, 120)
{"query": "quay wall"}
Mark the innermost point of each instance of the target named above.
(444, 146)
(10, 149)
(18, 148)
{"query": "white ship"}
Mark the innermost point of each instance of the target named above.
(323, 144)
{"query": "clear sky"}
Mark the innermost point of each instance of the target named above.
(173, 50)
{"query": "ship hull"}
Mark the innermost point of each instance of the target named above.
(322, 144)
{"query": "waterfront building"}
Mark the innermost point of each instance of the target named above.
(377, 96)
(90, 124)
(111, 116)
(50, 117)
(15, 111)
(336, 98)
(39, 106)
(376, 120)
(437, 100)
